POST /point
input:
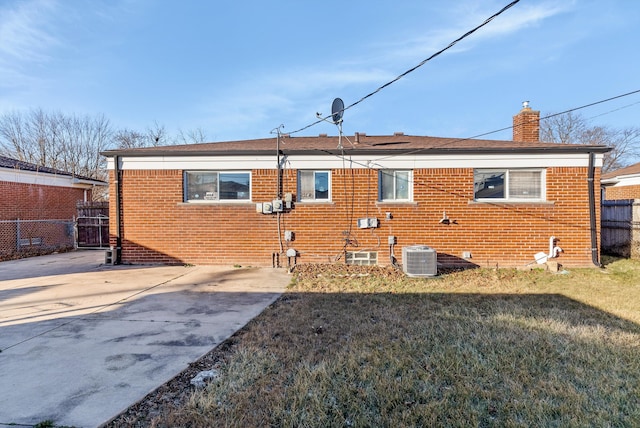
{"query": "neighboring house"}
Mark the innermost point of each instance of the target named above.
(623, 183)
(620, 213)
(35, 202)
(475, 202)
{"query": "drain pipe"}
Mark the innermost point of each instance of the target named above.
(118, 198)
(592, 210)
(279, 188)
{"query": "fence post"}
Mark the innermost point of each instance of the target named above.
(75, 232)
(100, 231)
(17, 234)
(635, 230)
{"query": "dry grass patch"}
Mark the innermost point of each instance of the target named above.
(352, 347)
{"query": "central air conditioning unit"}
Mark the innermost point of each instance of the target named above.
(420, 261)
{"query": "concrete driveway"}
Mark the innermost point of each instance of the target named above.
(81, 341)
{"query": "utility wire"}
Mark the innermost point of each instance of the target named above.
(423, 62)
(371, 163)
(511, 127)
(614, 110)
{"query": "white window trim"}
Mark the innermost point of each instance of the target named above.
(508, 198)
(314, 200)
(409, 181)
(215, 201)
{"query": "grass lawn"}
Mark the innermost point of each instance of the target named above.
(476, 348)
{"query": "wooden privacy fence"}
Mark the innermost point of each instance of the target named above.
(620, 228)
(93, 224)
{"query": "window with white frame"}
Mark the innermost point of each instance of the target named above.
(395, 185)
(211, 186)
(509, 184)
(314, 185)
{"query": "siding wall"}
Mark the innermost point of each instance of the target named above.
(158, 228)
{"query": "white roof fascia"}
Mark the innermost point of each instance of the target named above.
(44, 179)
(609, 181)
(84, 183)
(624, 180)
(356, 161)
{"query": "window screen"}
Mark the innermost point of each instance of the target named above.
(395, 185)
(216, 186)
(509, 184)
(314, 185)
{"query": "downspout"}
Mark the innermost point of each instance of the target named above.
(592, 210)
(279, 167)
(118, 198)
(279, 191)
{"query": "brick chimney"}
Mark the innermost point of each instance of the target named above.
(526, 125)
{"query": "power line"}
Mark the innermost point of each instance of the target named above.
(370, 163)
(550, 115)
(614, 110)
(591, 104)
(511, 127)
(423, 62)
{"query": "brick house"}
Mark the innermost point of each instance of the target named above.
(260, 202)
(30, 194)
(623, 183)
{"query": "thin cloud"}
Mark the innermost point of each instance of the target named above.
(299, 86)
(518, 18)
(283, 96)
(26, 40)
(522, 18)
(302, 80)
(24, 35)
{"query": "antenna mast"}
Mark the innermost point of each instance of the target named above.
(337, 110)
(278, 166)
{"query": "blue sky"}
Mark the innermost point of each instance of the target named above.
(239, 69)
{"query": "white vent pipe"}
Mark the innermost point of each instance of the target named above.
(554, 250)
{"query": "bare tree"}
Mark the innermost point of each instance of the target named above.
(192, 136)
(131, 139)
(12, 136)
(69, 143)
(73, 143)
(157, 135)
(572, 128)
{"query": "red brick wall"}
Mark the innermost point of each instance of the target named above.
(159, 228)
(34, 202)
(526, 126)
(622, 192)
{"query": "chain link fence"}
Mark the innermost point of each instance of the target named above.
(23, 238)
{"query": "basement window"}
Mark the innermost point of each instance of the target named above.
(509, 184)
(212, 186)
(364, 258)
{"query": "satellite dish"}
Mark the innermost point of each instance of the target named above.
(337, 109)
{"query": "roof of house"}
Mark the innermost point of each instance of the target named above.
(358, 144)
(15, 164)
(627, 170)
